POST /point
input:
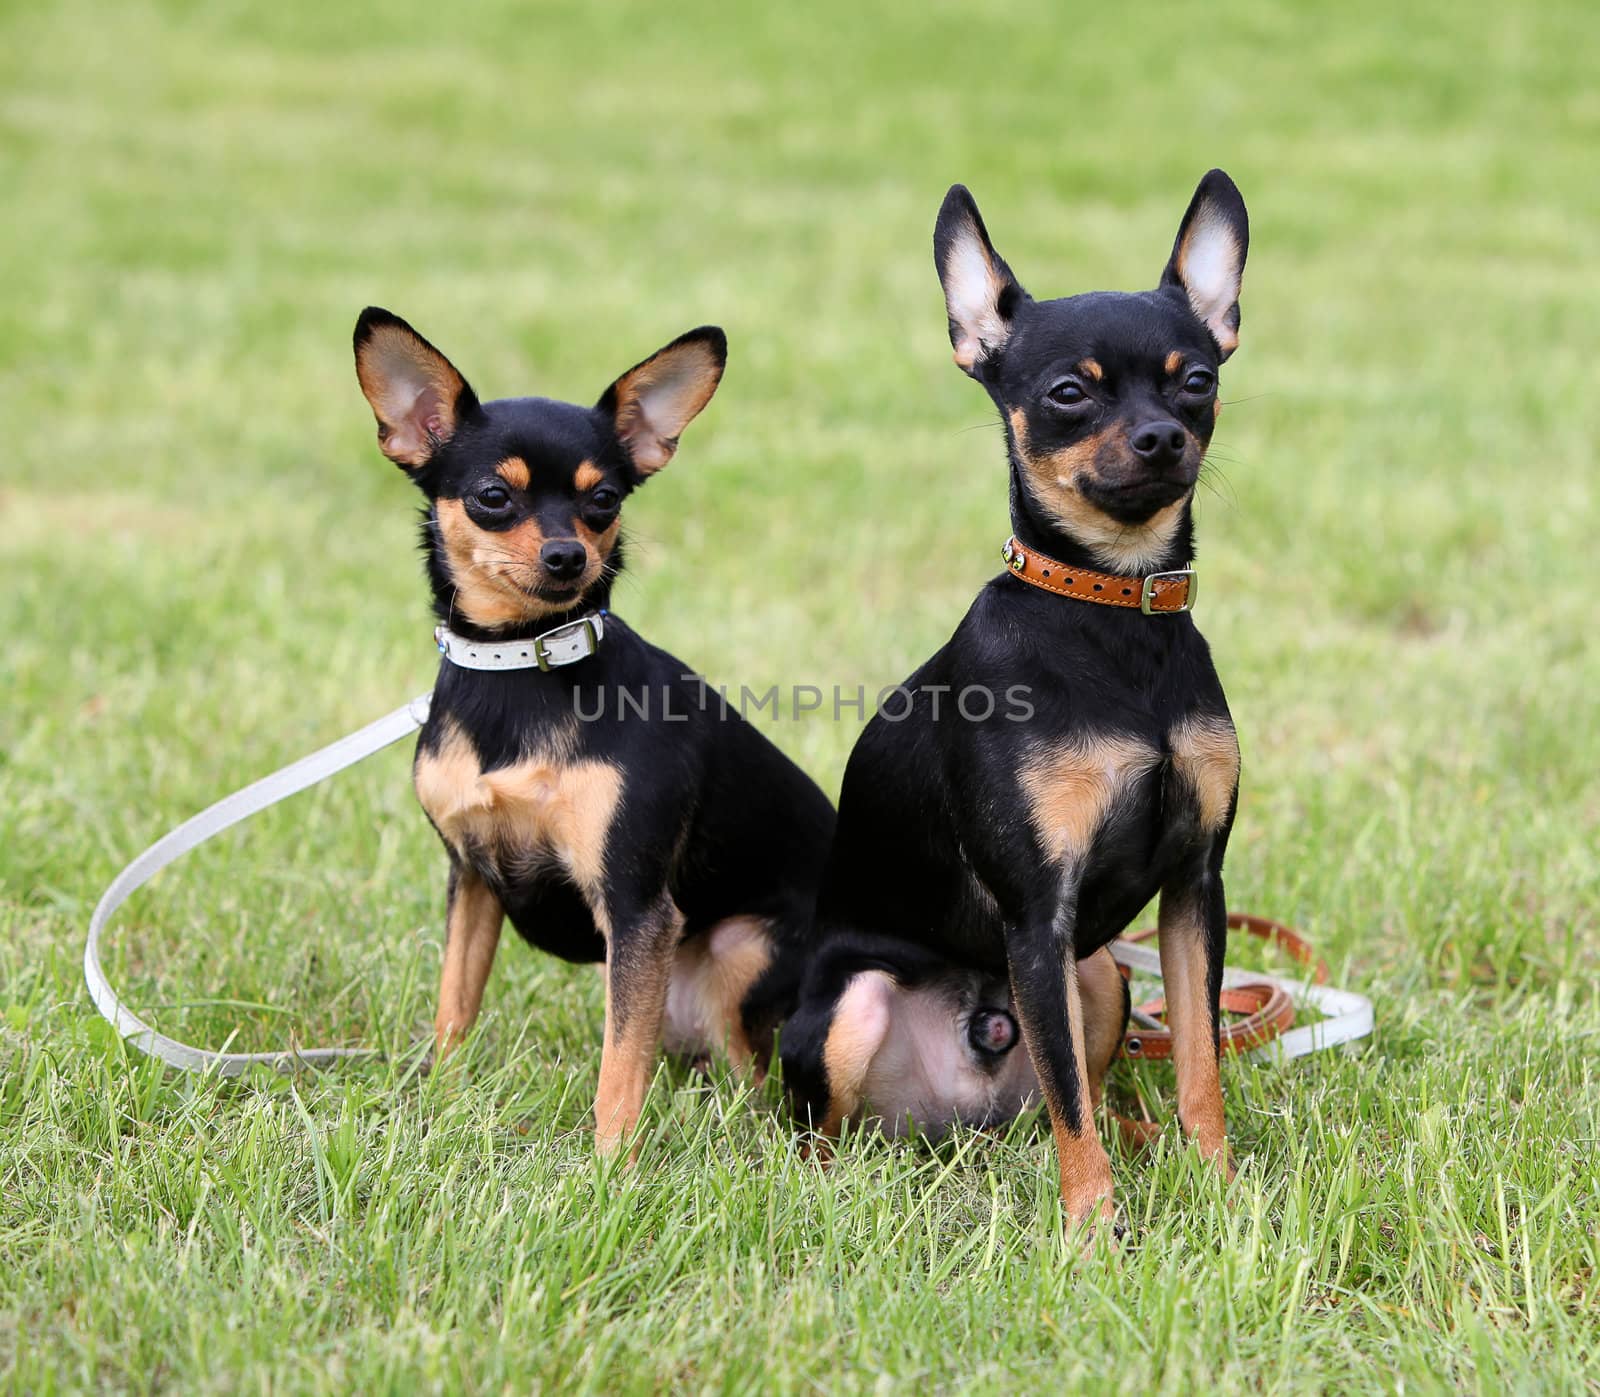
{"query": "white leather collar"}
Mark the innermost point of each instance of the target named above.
(565, 645)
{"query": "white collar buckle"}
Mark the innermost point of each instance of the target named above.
(564, 645)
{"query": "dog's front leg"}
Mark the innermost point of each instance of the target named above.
(1044, 984)
(1194, 933)
(471, 936)
(640, 947)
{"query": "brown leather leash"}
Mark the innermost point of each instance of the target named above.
(1266, 1009)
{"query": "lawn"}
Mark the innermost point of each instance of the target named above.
(208, 570)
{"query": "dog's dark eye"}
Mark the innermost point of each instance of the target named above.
(1068, 393)
(493, 497)
(604, 499)
(1199, 381)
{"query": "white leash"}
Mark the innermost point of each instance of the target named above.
(564, 645)
(254, 798)
(1349, 1015)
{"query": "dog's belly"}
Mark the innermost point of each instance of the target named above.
(551, 913)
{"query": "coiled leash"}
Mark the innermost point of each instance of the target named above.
(1265, 1002)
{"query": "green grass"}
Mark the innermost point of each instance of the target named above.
(207, 569)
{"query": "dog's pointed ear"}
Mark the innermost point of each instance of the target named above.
(416, 394)
(980, 294)
(653, 402)
(1207, 262)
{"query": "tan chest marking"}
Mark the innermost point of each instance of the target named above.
(1205, 755)
(1072, 786)
(550, 804)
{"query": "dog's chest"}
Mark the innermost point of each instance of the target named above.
(552, 807)
(1080, 787)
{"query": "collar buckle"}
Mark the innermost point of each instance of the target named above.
(1147, 593)
(583, 626)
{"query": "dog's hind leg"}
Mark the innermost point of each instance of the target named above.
(1105, 998)
(1194, 930)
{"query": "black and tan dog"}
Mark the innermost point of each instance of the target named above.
(1021, 848)
(663, 836)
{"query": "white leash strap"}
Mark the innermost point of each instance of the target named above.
(336, 756)
(1349, 1015)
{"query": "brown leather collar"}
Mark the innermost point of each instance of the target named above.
(1158, 594)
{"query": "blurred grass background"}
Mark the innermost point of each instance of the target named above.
(208, 569)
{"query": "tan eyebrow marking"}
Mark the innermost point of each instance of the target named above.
(589, 475)
(1091, 367)
(1174, 361)
(514, 471)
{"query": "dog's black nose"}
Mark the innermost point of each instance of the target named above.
(1158, 443)
(564, 558)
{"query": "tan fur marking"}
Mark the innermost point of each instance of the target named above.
(1091, 368)
(1174, 361)
(491, 571)
(711, 976)
(588, 476)
(1205, 754)
(471, 937)
(1194, 1041)
(1071, 786)
(1053, 480)
(636, 995)
(514, 471)
(547, 805)
(1100, 992)
(860, 1022)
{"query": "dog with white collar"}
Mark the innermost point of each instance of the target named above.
(679, 847)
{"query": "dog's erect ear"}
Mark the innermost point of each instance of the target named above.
(980, 294)
(1208, 257)
(653, 402)
(416, 394)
